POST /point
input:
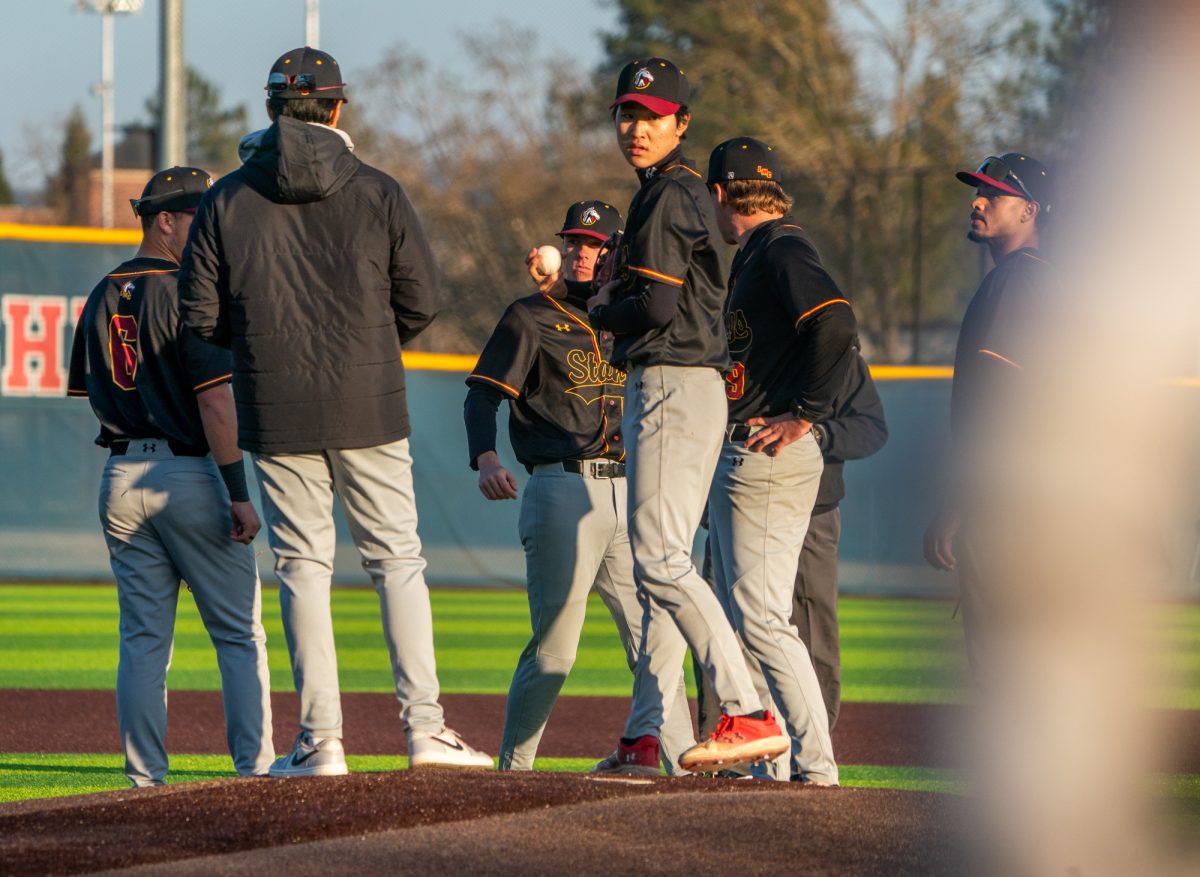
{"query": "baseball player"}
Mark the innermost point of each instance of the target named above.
(791, 334)
(565, 402)
(1013, 196)
(313, 268)
(173, 498)
(856, 429)
(665, 307)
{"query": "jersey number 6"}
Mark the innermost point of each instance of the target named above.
(122, 350)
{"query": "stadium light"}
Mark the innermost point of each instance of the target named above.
(107, 9)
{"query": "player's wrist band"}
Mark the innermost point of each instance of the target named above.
(234, 476)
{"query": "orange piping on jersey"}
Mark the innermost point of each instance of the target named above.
(140, 273)
(833, 301)
(665, 278)
(206, 384)
(77, 393)
(672, 167)
(499, 384)
(996, 355)
(789, 225)
(1035, 258)
(574, 319)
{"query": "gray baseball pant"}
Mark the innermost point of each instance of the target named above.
(814, 613)
(166, 518)
(375, 489)
(574, 533)
(674, 426)
(758, 513)
(815, 606)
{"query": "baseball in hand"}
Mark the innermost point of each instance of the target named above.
(551, 260)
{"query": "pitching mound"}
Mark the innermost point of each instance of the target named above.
(442, 822)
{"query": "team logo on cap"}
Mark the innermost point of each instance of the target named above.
(590, 216)
(642, 79)
(765, 172)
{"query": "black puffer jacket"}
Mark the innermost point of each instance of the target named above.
(313, 268)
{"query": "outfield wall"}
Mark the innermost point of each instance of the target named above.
(48, 514)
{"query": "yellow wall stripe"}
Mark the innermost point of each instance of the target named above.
(69, 234)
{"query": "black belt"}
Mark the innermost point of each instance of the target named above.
(120, 447)
(596, 468)
(737, 432)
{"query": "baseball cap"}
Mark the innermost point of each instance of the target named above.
(655, 83)
(175, 190)
(743, 158)
(1014, 174)
(306, 72)
(593, 218)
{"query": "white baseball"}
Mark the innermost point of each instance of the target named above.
(551, 259)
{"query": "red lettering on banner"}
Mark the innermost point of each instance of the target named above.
(34, 364)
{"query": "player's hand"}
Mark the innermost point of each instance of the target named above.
(939, 540)
(603, 296)
(495, 482)
(777, 433)
(245, 522)
(550, 284)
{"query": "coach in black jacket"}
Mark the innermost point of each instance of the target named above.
(312, 267)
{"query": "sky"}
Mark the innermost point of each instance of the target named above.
(54, 51)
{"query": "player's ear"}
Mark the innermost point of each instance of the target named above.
(682, 120)
(1032, 209)
(164, 221)
(720, 194)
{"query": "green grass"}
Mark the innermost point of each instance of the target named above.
(61, 637)
(44, 775)
(895, 651)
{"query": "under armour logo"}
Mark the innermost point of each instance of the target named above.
(149, 447)
(563, 327)
(737, 461)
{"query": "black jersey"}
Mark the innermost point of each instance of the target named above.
(566, 398)
(790, 329)
(995, 331)
(138, 365)
(671, 238)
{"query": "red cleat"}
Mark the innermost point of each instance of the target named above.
(638, 759)
(737, 739)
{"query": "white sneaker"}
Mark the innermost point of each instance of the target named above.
(324, 759)
(445, 748)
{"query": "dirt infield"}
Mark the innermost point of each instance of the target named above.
(899, 735)
(443, 822)
(85, 721)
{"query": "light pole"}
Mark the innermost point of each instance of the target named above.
(172, 87)
(312, 23)
(107, 9)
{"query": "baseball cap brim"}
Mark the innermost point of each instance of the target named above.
(586, 231)
(978, 180)
(653, 104)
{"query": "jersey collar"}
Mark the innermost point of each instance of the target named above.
(645, 175)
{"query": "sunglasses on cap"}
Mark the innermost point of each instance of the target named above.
(997, 169)
(296, 82)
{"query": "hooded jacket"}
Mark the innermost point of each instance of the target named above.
(312, 267)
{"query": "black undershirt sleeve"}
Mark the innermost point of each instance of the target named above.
(856, 429)
(479, 412)
(651, 307)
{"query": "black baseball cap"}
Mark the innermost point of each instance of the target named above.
(306, 72)
(175, 190)
(743, 158)
(1014, 174)
(655, 83)
(592, 218)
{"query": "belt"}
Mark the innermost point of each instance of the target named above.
(737, 432)
(120, 447)
(595, 468)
